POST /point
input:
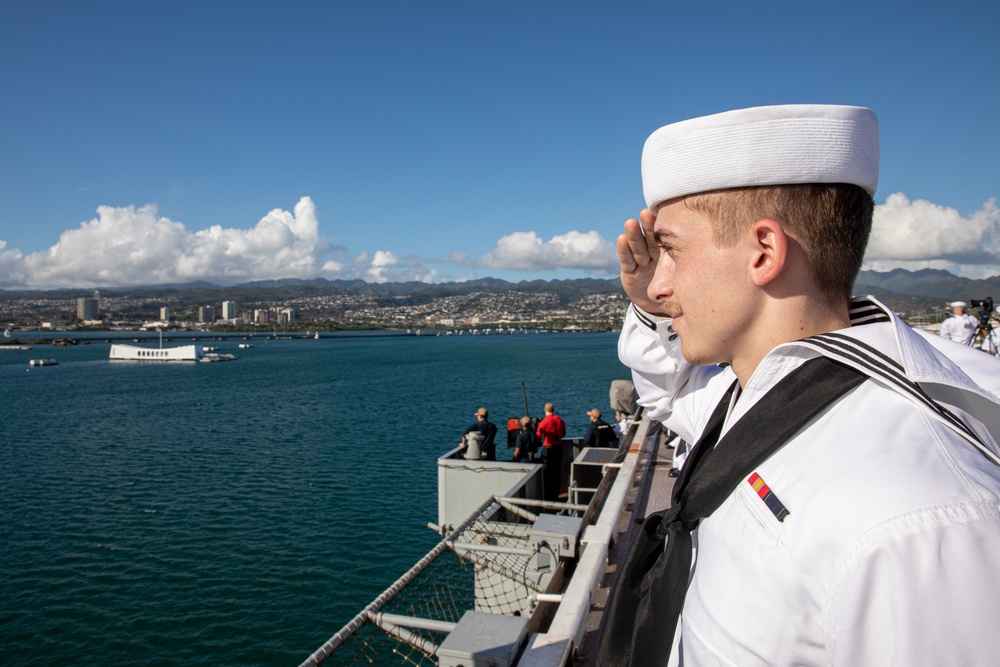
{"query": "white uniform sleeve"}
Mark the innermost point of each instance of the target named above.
(672, 391)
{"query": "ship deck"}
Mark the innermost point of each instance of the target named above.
(541, 572)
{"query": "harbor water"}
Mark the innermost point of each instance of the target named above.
(242, 512)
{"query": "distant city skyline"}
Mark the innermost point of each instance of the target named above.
(924, 295)
(148, 143)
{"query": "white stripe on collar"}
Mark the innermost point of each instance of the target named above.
(866, 311)
(643, 317)
(878, 365)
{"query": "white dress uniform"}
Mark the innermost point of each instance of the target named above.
(960, 328)
(873, 536)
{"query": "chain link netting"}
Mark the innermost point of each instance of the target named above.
(486, 567)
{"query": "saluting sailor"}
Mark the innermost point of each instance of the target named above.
(843, 494)
(959, 326)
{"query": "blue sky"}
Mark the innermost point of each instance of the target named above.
(163, 142)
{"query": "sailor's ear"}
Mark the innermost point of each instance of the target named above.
(769, 251)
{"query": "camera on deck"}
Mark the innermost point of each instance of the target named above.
(986, 306)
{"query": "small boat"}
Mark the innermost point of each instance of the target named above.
(43, 362)
(216, 356)
(244, 346)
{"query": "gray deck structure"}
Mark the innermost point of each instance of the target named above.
(650, 493)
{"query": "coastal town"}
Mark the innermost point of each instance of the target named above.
(184, 310)
(919, 298)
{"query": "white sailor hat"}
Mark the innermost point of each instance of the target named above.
(773, 145)
(957, 304)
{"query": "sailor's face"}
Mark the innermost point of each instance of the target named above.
(701, 285)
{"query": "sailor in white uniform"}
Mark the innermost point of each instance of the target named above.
(959, 326)
(873, 536)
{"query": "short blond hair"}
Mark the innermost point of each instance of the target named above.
(831, 222)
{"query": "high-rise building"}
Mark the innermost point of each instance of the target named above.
(86, 308)
(229, 310)
(206, 314)
(164, 314)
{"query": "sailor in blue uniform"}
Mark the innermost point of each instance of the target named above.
(488, 430)
(599, 433)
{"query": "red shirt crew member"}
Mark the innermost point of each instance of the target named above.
(551, 429)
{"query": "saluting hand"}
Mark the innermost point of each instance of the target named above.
(638, 255)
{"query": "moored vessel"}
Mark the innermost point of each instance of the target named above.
(121, 352)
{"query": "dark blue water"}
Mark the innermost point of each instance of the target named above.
(242, 512)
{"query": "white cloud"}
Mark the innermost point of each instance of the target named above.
(385, 267)
(525, 251)
(11, 265)
(920, 234)
(380, 266)
(459, 258)
(135, 246)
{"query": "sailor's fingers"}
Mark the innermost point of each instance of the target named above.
(638, 255)
(647, 218)
(646, 221)
(625, 256)
(635, 249)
